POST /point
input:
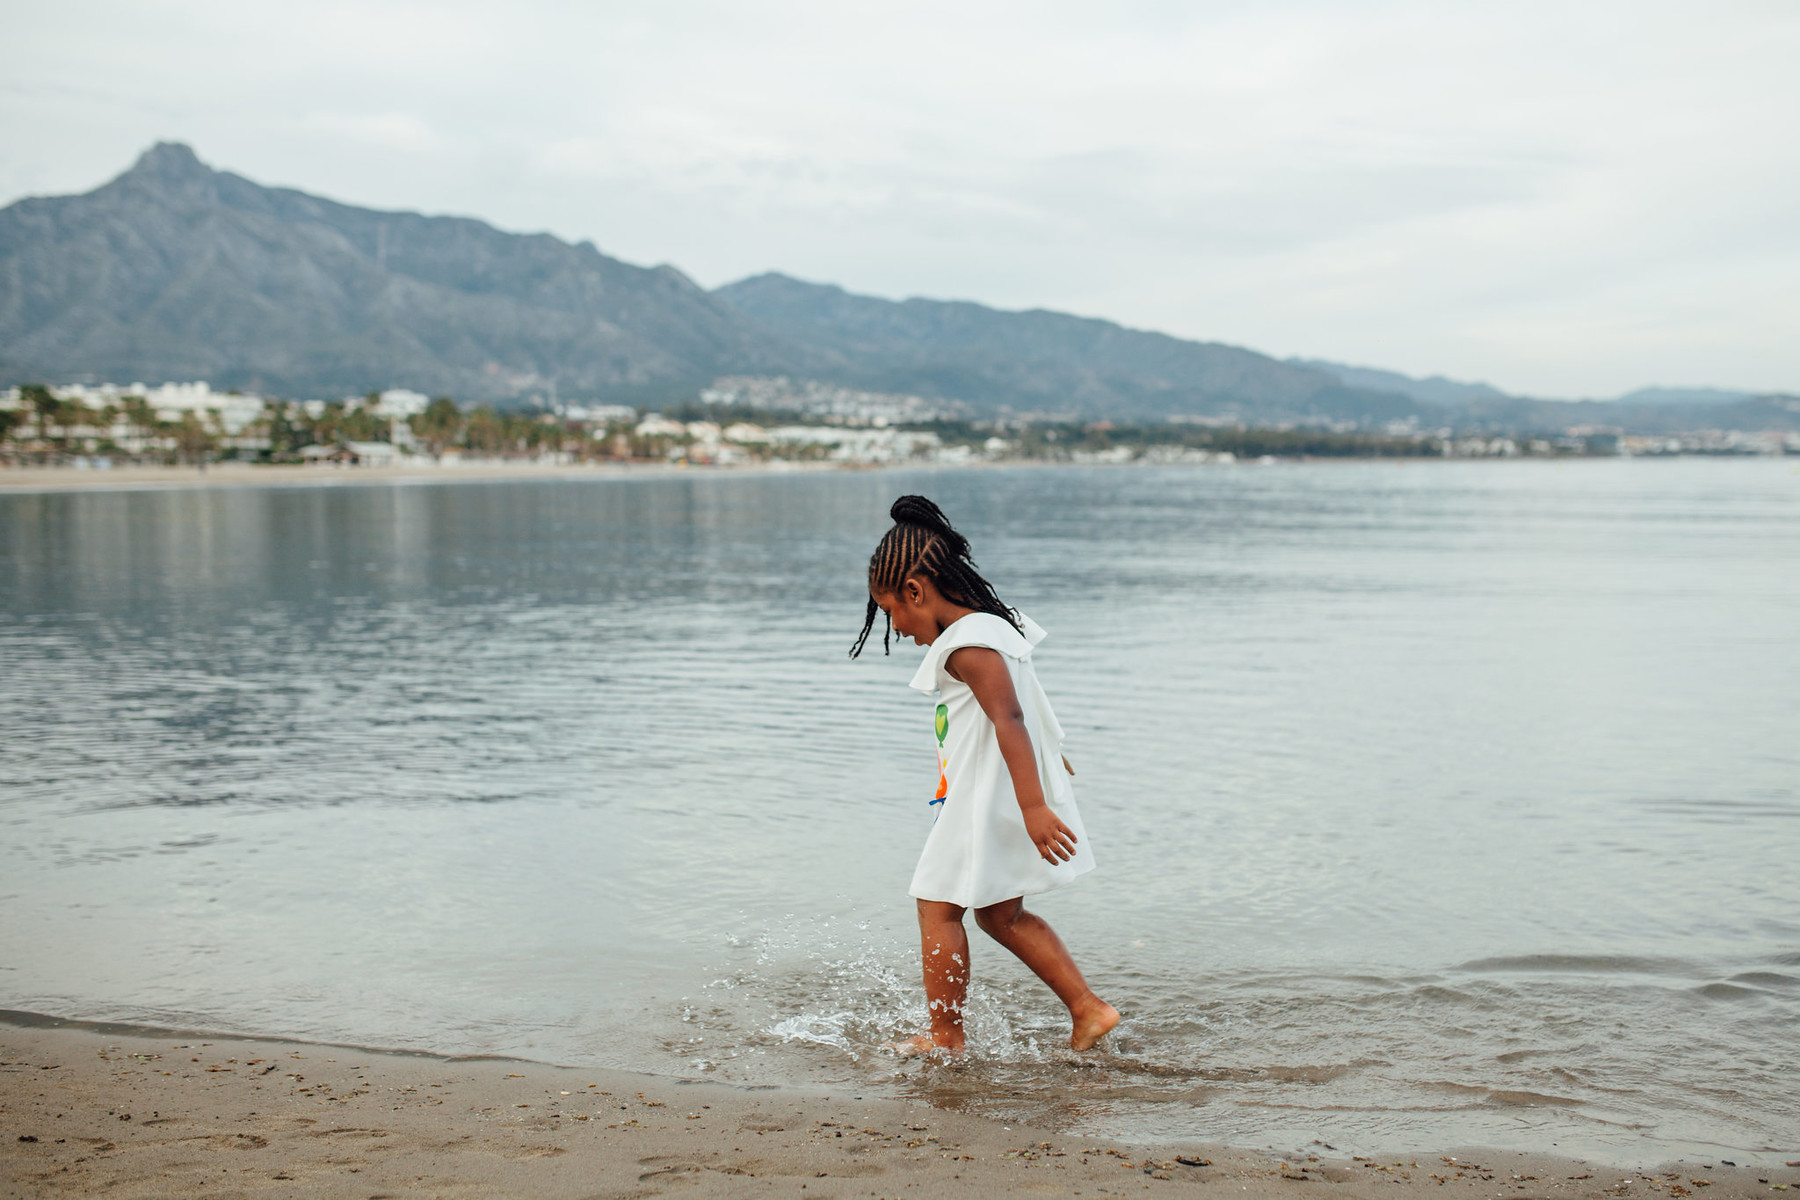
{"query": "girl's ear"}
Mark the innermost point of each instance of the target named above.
(913, 590)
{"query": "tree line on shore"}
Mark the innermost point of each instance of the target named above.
(44, 429)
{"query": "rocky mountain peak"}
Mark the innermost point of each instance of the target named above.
(172, 170)
(169, 160)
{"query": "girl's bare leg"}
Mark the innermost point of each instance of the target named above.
(1030, 937)
(944, 949)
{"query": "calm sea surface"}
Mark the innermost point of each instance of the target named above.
(1436, 804)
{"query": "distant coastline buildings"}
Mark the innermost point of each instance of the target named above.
(100, 425)
(818, 399)
(736, 420)
(233, 411)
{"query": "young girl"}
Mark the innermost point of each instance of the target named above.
(1006, 823)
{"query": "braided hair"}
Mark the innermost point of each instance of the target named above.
(922, 543)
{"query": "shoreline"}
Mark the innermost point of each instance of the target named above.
(25, 480)
(39, 480)
(139, 1111)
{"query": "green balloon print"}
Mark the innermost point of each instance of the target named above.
(943, 722)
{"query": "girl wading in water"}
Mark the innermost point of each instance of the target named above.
(1006, 824)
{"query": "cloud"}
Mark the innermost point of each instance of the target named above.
(1559, 198)
(389, 130)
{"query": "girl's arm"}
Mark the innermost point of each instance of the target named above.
(986, 674)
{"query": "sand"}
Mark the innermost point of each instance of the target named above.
(89, 1110)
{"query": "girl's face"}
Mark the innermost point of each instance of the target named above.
(910, 612)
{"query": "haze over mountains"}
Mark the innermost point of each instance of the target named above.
(177, 271)
(1043, 361)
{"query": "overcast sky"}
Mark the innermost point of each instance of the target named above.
(1563, 199)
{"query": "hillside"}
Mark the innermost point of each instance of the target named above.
(1434, 390)
(177, 271)
(1041, 361)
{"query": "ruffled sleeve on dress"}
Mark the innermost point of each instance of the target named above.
(976, 629)
(995, 633)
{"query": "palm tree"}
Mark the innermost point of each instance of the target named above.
(43, 407)
(438, 426)
(192, 438)
(140, 418)
(10, 419)
(486, 431)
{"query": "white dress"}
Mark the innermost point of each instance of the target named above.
(978, 852)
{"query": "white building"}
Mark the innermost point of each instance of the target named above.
(170, 401)
(859, 445)
(604, 414)
(818, 399)
(400, 403)
(657, 425)
(373, 454)
(746, 434)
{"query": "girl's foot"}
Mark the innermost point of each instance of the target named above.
(1092, 1025)
(924, 1043)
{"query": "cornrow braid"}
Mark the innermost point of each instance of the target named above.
(922, 542)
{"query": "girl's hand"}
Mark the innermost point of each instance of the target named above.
(1054, 840)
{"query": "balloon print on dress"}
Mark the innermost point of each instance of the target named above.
(943, 728)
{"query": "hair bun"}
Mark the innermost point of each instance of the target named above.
(921, 513)
(917, 510)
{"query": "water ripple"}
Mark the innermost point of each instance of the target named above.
(1441, 804)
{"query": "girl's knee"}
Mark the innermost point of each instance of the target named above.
(995, 919)
(939, 912)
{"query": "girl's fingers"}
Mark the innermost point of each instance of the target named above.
(1059, 845)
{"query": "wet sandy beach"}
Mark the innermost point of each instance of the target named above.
(91, 1110)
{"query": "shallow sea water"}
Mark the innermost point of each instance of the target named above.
(1436, 804)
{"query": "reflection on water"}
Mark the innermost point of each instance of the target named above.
(1437, 803)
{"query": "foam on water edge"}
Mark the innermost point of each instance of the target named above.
(1483, 1053)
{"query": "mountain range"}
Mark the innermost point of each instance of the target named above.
(1040, 361)
(175, 270)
